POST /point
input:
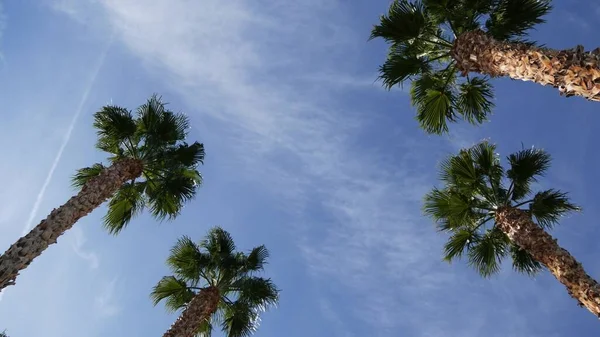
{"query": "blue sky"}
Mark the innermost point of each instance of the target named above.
(305, 153)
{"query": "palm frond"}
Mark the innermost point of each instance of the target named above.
(114, 126)
(158, 126)
(85, 174)
(435, 100)
(219, 242)
(485, 157)
(168, 192)
(240, 320)
(256, 260)
(474, 100)
(186, 260)
(485, 254)
(513, 18)
(259, 293)
(186, 155)
(549, 206)
(452, 210)
(459, 172)
(525, 165)
(403, 22)
(459, 241)
(523, 262)
(399, 68)
(174, 291)
(124, 205)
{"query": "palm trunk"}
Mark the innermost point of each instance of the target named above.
(198, 311)
(521, 229)
(92, 195)
(572, 71)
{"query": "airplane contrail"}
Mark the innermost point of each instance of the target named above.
(67, 137)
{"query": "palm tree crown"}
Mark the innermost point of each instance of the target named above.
(475, 186)
(214, 263)
(421, 35)
(155, 137)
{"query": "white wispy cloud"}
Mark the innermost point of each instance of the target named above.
(105, 302)
(77, 244)
(67, 137)
(268, 70)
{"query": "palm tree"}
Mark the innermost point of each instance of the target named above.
(150, 167)
(489, 214)
(214, 284)
(431, 41)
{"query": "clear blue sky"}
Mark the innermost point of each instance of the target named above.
(305, 153)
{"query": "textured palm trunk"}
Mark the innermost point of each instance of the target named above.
(92, 194)
(572, 71)
(198, 311)
(521, 229)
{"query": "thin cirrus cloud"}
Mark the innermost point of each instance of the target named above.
(67, 137)
(106, 302)
(77, 244)
(258, 69)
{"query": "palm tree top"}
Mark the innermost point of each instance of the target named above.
(155, 137)
(214, 262)
(421, 36)
(475, 187)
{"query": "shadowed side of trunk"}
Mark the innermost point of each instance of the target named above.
(521, 229)
(92, 194)
(198, 311)
(573, 72)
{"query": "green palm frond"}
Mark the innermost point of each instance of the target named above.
(403, 22)
(399, 68)
(124, 205)
(460, 173)
(218, 243)
(259, 293)
(513, 18)
(187, 262)
(168, 192)
(115, 125)
(256, 260)
(186, 155)
(452, 209)
(174, 291)
(458, 242)
(85, 174)
(485, 254)
(158, 126)
(475, 100)
(523, 261)
(549, 206)
(434, 97)
(240, 320)
(525, 166)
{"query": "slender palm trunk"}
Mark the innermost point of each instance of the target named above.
(198, 311)
(521, 229)
(92, 195)
(572, 71)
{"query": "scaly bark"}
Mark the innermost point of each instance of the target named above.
(92, 194)
(572, 71)
(521, 229)
(198, 311)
